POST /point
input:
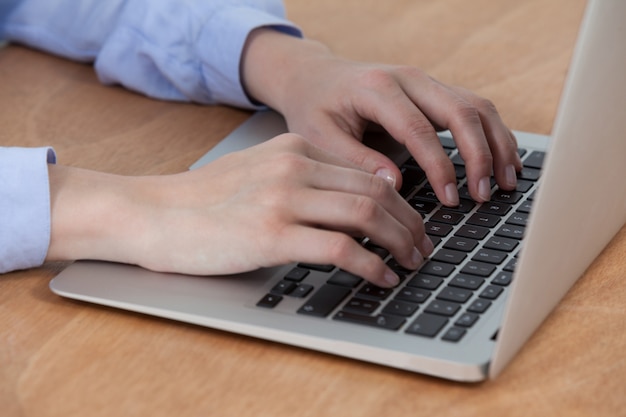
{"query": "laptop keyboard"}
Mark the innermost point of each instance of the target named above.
(476, 249)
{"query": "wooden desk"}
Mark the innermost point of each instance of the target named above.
(65, 358)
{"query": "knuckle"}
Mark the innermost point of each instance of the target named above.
(438, 163)
(380, 189)
(374, 264)
(366, 209)
(292, 141)
(411, 72)
(465, 112)
(286, 164)
(376, 79)
(419, 128)
(486, 106)
(276, 200)
(340, 248)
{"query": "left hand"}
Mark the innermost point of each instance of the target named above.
(331, 101)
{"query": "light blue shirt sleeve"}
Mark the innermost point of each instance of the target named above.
(186, 50)
(24, 207)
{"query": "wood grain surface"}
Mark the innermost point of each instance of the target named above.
(66, 358)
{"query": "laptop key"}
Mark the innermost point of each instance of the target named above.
(479, 306)
(437, 268)
(467, 281)
(457, 295)
(509, 197)
(503, 278)
(447, 217)
(427, 325)
(382, 321)
(480, 269)
(501, 244)
(324, 301)
(301, 291)
(401, 308)
(465, 206)
(297, 274)
(437, 229)
(283, 287)
(511, 265)
(427, 194)
(380, 251)
(472, 232)
(534, 159)
(495, 208)
(449, 256)
(411, 177)
(414, 295)
(427, 282)
(523, 186)
(526, 206)
(359, 305)
(461, 244)
(483, 219)
(317, 267)
(422, 206)
(443, 308)
(447, 142)
(518, 219)
(491, 292)
(454, 334)
(344, 279)
(530, 174)
(374, 292)
(490, 256)
(467, 320)
(511, 231)
(269, 301)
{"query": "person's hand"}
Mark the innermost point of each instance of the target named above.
(330, 101)
(280, 202)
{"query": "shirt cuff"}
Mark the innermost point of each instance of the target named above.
(24, 207)
(188, 52)
(227, 33)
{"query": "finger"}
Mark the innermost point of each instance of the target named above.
(391, 108)
(331, 247)
(358, 183)
(357, 213)
(348, 146)
(502, 142)
(447, 109)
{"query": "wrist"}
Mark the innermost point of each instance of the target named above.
(273, 62)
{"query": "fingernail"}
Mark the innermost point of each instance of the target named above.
(427, 245)
(452, 194)
(387, 175)
(511, 176)
(484, 188)
(391, 278)
(416, 258)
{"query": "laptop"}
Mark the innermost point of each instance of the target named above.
(498, 269)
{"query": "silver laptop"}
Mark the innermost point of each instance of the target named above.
(471, 307)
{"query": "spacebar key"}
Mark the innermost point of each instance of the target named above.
(324, 301)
